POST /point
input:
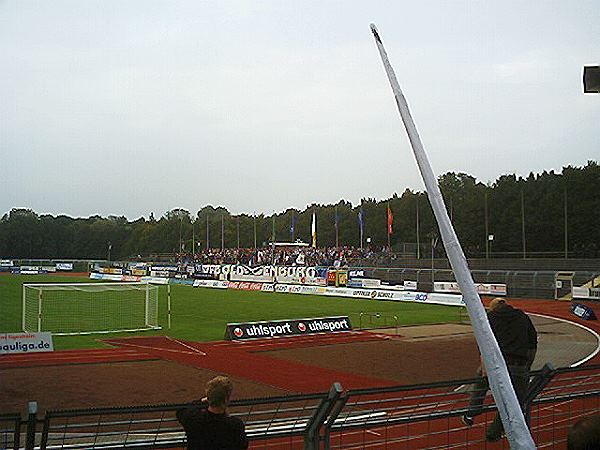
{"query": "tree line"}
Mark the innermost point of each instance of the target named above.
(546, 214)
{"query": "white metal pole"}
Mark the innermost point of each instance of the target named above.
(254, 215)
(24, 310)
(500, 384)
(487, 230)
(418, 237)
(169, 306)
(39, 327)
(523, 225)
(147, 319)
(565, 221)
(207, 233)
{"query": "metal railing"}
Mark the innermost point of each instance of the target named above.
(416, 417)
(521, 284)
(10, 431)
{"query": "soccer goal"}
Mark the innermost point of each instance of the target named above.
(85, 308)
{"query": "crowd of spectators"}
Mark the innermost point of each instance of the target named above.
(282, 256)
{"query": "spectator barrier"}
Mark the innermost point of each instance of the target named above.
(417, 417)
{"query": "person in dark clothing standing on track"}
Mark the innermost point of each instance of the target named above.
(517, 339)
(206, 422)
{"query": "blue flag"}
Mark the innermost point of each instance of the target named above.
(293, 224)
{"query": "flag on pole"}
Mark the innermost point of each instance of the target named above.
(314, 230)
(390, 220)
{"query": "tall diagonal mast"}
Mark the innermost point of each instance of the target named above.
(506, 399)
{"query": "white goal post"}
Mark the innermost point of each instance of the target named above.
(85, 308)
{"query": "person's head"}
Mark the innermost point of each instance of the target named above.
(497, 303)
(585, 434)
(218, 391)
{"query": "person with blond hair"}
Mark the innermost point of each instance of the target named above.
(206, 422)
(517, 339)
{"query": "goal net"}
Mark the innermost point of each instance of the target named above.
(84, 308)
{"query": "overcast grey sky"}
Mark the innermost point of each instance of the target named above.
(128, 107)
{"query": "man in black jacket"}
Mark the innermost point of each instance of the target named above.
(517, 339)
(206, 422)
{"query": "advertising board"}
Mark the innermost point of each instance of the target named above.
(283, 328)
(482, 288)
(218, 284)
(364, 283)
(11, 343)
(582, 311)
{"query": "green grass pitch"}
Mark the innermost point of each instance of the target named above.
(201, 314)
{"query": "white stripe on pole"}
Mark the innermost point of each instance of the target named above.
(506, 400)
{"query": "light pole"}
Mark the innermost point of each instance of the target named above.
(418, 240)
(523, 242)
(487, 233)
(434, 241)
(180, 228)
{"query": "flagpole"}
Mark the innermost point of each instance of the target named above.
(388, 226)
(314, 230)
(362, 225)
(273, 241)
(254, 215)
(337, 226)
(507, 403)
(418, 240)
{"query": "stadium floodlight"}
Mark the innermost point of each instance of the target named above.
(86, 308)
(512, 417)
(591, 79)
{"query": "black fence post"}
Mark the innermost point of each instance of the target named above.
(315, 423)
(335, 412)
(31, 425)
(537, 385)
(539, 381)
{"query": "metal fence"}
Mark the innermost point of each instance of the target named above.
(520, 284)
(412, 417)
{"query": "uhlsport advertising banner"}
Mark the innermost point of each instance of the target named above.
(11, 343)
(282, 328)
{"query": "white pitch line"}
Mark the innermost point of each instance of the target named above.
(156, 348)
(200, 352)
